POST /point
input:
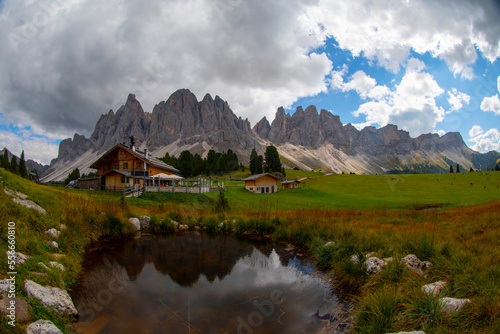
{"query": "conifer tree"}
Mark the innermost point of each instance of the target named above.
(22, 167)
(451, 169)
(458, 169)
(253, 161)
(14, 167)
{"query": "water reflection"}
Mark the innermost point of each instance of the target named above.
(199, 283)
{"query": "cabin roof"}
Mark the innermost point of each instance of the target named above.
(258, 176)
(290, 181)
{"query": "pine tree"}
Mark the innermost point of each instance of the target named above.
(273, 162)
(451, 169)
(253, 161)
(14, 167)
(22, 167)
(458, 169)
(5, 160)
(259, 164)
(185, 163)
(471, 170)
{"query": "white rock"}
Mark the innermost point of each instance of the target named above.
(183, 227)
(5, 286)
(53, 233)
(354, 258)
(43, 265)
(54, 299)
(414, 264)
(42, 327)
(136, 222)
(18, 257)
(54, 244)
(434, 288)
(144, 222)
(54, 264)
(29, 204)
(62, 227)
(374, 265)
(330, 244)
(176, 224)
(452, 305)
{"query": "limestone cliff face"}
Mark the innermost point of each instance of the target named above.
(307, 138)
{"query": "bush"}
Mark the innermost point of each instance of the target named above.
(158, 225)
(221, 204)
(378, 311)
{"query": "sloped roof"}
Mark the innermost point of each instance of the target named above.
(139, 155)
(258, 176)
(290, 181)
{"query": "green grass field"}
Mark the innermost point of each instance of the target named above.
(372, 192)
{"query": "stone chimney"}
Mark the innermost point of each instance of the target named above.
(132, 143)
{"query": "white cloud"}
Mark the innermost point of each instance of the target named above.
(475, 131)
(484, 141)
(361, 83)
(492, 103)
(39, 149)
(457, 99)
(88, 55)
(441, 132)
(387, 30)
(411, 105)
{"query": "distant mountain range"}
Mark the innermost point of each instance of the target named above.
(307, 139)
(30, 164)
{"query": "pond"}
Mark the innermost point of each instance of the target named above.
(196, 282)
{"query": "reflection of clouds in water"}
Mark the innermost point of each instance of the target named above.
(213, 302)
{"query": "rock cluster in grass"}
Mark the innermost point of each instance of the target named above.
(448, 305)
(21, 199)
(18, 258)
(144, 222)
(54, 299)
(42, 327)
(53, 233)
(414, 264)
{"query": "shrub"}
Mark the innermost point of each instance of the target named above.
(378, 311)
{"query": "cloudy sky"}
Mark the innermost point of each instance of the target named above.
(426, 66)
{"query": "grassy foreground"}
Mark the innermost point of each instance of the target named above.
(361, 214)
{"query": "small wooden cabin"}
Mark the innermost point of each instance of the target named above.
(262, 183)
(125, 167)
(292, 184)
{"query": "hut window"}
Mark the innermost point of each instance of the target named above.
(125, 165)
(138, 165)
(123, 179)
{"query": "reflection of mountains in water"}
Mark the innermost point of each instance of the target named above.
(183, 257)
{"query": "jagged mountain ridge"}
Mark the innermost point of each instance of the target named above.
(307, 139)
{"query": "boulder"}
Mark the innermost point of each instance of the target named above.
(29, 204)
(144, 222)
(54, 299)
(62, 227)
(183, 227)
(434, 288)
(22, 309)
(374, 265)
(54, 244)
(330, 244)
(43, 327)
(136, 222)
(5, 286)
(18, 257)
(53, 233)
(176, 224)
(452, 305)
(414, 264)
(56, 265)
